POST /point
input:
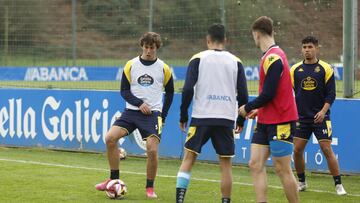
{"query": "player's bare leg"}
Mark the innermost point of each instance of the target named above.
(188, 161)
(184, 174)
(330, 157)
(226, 176)
(152, 144)
(288, 181)
(299, 162)
(333, 165)
(111, 139)
(259, 155)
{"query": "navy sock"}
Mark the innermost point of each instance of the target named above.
(149, 183)
(180, 195)
(301, 177)
(114, 174)
(182, 182)
(337, 179)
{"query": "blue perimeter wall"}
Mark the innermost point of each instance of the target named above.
(79, 120)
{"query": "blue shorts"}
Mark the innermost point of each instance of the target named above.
(222, 139)
(148, 125)
(322, 131)
(280, 149)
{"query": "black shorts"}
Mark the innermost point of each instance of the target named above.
(264, 133)
(222, 139)
(148, 125)
(322, 131)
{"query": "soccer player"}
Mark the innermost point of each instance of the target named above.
(276, 111)
(216, 80)
(314, 85)
(142, 84)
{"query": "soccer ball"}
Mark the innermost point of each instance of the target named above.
(116, 189)
(122, 153)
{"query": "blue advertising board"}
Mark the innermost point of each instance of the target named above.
(104, 73)
(79, 120)
(60, 73)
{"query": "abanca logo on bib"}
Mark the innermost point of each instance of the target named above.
(145, 80)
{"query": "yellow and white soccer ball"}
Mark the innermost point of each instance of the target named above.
(116, 189)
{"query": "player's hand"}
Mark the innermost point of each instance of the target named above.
(242, 111)
(145, 109)
(252, 114)
(183, 126)
(239, 129)
(319, 117)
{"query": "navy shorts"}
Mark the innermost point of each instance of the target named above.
(148, 125)
(264, 133)
(322, 131)
(222, 139)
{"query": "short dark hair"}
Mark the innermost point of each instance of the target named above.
(264, 25)
(150, 38)
(310, 39)
(217, 32)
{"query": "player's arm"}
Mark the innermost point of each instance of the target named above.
(330, 95)
(271, 83)
(242, 92)
(169, 92)
(126, 93)
(125, 87)
(330, 90)
(188, 89)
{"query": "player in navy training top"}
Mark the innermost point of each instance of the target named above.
(314, 84)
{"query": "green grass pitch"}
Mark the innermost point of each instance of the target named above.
(39, 175)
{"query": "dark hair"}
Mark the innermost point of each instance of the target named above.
(150, 38)
(263, 24)
(310, 39)
(217, 32)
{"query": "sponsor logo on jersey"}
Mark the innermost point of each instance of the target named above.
(145, 80)
(308, 83)
(219, 97)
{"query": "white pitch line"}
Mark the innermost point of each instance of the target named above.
(164, 176)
